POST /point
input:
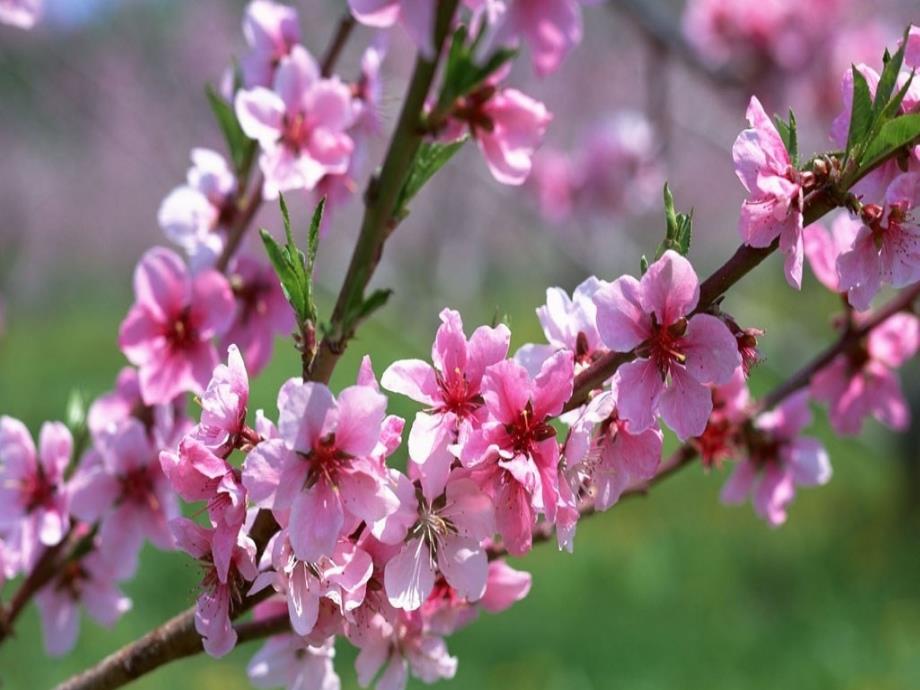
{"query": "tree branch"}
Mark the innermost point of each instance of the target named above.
(380, 202)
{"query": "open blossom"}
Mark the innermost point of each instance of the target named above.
(290, 662)
(196, 474)
(119, 482)
(33, 504)
(195, 215)
(85, 581)
(550, 28)
(730, 409)
(392, 643)
(340, 577)
(301, 125)
(823, 247)
(262, 313)
(861, 381)
(508, 127)
(604, 456)
(446, 538)
(21, 13)
(677, 355)
(271, 29)
(167, 333)
(886, 249)
(223, 405)
(505, 586)
(323, 470)
(166, 423)
(774, 205)
(568, 324)
(451, 390)
(514, 456)
(219, 594)
(778, 460)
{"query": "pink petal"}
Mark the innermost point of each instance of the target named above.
(738, 487)
(409, 576)
(464, 565)
(303, 409)
(303, 604)
(553, 385)
(260, 112)
(504, 587)
(413, 378)
(361, 413)
(711, 350)
(506, 389)
(316, 522)
(469, 509)
(669, 288)
(640, 386)
(262, 471)
(161, 284)
(686, 405)
(213, 305)
(621, 319)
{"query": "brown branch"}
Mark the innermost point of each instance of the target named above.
(174, 639)
(248, 206)
(331, 56)
(380, 202)
(851, 336)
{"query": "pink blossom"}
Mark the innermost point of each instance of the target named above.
(392, 643)
(196, 474)
(416, 16)
(167, 333)
(886, 249)
(33, 506)
(446, 611)
(219, 594)
(447, 539)
(508, 127)
(271, 30)
(505, 586)
(23, 14)
(340, 577)
(301, 125)
(514, 456)
(119, 482)
(774, 207)
(86, 581)
(324, 470)
(369, 89)
(861, 382)
(730, 410)
(778, 460)
(290, 662)
(166, 423)
(605, 456)
(823, 247)
(262, 312)
(677, 352)
(451, 390)
(223, 406)
(550, 28)
(195, 215)
(568, 324)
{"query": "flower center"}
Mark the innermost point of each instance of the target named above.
(137, 487)
(296, 131)
(325, 461)
(457, 395)
(181, 332)
(665, 345)
(526, 431)
(251, 296)
(37, 490)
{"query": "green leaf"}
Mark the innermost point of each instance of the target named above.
(888, 78)
(242, 149)
(678, 229)
(463, 72)
(861, 115)
(643, 265)
(294, 269)
(430, 158)
(891, 136)
(367, 307)
(789, 134)
(670, 215)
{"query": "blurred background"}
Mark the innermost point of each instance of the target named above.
(99, 106)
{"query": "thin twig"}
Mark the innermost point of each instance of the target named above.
(346, 24)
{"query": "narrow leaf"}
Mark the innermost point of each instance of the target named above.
(241, 147)
(861, 115)
(430, 158)
(892, 136)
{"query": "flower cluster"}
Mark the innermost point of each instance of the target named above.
(308, 517)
